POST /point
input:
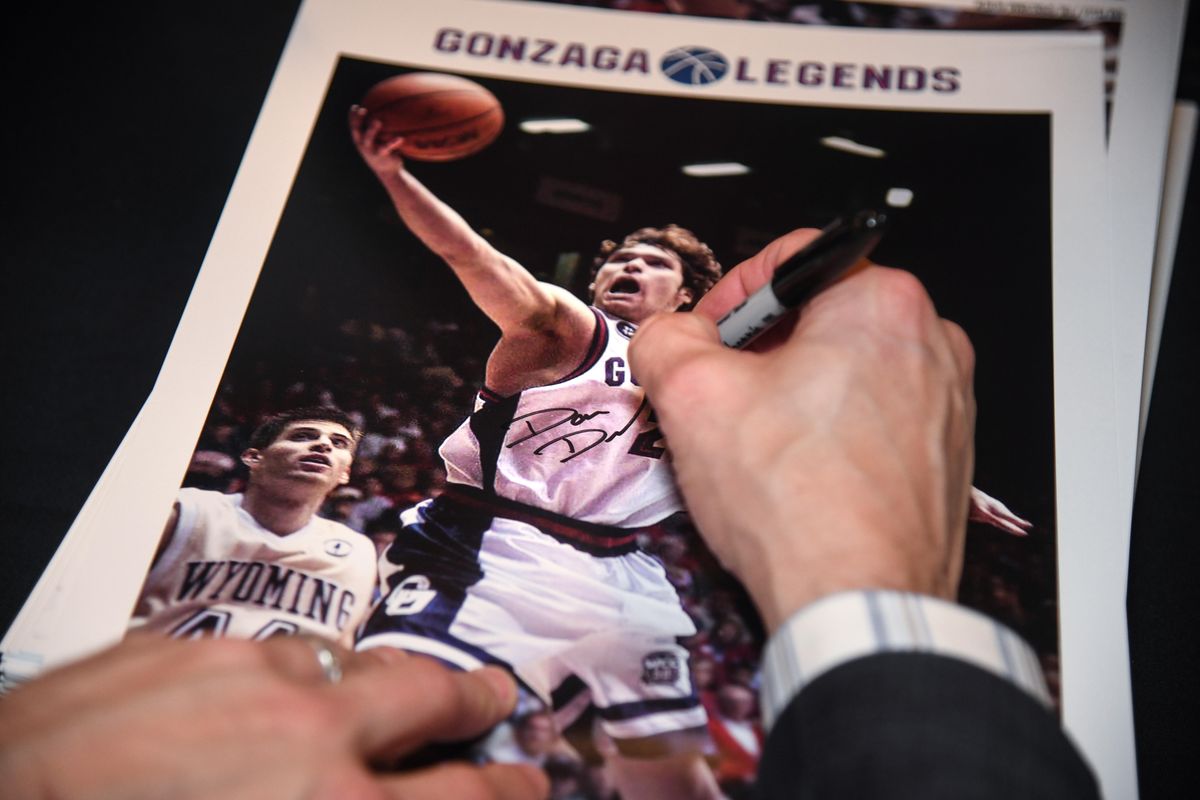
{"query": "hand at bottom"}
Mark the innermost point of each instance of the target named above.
(225, 718)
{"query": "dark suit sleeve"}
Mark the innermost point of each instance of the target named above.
(913, 725)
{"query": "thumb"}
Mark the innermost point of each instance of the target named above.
(673, 353)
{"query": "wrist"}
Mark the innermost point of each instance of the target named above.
(390, 174)
(851, 625)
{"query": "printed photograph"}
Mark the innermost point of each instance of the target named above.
(428, 435)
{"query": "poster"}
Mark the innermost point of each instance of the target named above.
(310, 269)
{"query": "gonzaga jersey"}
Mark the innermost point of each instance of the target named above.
(585, 447)
(223, 574)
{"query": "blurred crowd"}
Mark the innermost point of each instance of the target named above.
(914, 15)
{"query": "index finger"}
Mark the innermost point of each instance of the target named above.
(401, 704)
(747, 277)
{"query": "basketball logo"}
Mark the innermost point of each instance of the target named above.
(410, 596)
(660, 668)
(694, 66)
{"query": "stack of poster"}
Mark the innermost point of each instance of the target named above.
(1026, 140)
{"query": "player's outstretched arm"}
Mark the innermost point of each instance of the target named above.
(990, 511)
(229, 718)
(503, 289)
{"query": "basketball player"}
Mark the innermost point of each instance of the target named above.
(529, 559)
(262, 563)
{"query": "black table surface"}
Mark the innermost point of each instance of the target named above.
(126, 127)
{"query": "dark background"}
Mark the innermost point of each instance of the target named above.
(126, 126)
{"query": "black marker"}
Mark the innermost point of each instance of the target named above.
(840, 246)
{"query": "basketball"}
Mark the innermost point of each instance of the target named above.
(441, 117)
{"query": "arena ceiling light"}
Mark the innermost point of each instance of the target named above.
(555, 125)
(851, 146)
(899, 197)
(715, 170)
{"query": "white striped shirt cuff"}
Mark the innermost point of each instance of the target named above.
(849, 625)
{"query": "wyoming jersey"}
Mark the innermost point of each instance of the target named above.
(223, 574)
(585, 447)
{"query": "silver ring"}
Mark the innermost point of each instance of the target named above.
(327, 658)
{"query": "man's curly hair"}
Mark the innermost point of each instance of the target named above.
(700, 267)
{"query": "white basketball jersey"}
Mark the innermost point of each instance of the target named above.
(585, 447)
(223, 574)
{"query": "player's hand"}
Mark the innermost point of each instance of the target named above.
(990, 511)
(155, 717)
(836, 457)
(383, 157)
